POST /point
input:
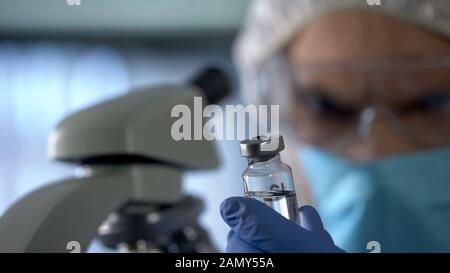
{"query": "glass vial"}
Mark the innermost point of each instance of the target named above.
(267, 178)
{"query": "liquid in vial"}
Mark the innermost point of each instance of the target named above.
(284, 202)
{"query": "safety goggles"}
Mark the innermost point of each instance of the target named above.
(339, 104)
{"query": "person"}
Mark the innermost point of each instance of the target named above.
(364, 95)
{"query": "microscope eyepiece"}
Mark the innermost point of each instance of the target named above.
(214, 84)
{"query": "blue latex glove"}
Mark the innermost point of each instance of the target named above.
(255, 227)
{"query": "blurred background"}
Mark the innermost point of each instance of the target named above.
(56, 59)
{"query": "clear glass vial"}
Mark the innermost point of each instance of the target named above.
(267, 178)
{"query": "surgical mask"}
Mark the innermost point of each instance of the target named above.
(402, 203)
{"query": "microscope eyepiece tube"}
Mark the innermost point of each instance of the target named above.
(214, 83)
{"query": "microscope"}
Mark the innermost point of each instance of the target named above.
(128, 189)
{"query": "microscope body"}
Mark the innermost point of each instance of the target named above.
(126, 153)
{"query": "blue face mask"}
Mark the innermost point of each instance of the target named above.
(402, 203)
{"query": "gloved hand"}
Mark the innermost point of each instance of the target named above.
(255, 227)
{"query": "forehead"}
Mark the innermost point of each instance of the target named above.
(357, 34)
(358, 84)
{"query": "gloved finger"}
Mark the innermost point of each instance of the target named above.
(310, 220)
(237, 245)
(264, 228)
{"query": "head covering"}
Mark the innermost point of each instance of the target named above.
(270, 24)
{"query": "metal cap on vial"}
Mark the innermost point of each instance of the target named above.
(262, 148)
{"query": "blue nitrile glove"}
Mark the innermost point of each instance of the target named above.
(255, 227)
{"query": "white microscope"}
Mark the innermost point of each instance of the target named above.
(128, 193)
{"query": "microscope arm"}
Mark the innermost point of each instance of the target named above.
(72, 210)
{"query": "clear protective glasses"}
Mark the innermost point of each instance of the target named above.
(338, 104)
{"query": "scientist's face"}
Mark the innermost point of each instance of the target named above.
(379, 91)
